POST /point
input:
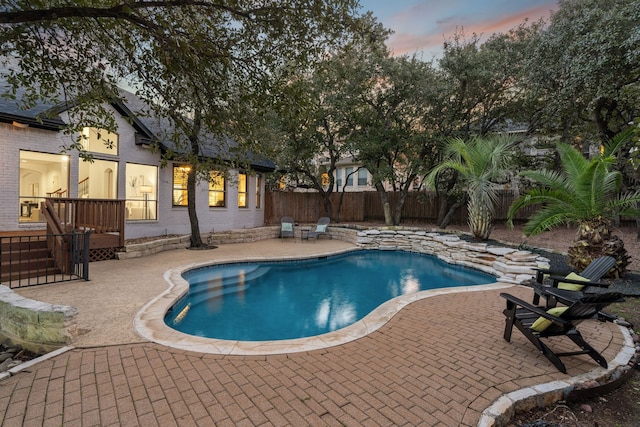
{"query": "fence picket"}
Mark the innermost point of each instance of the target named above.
(307, 207)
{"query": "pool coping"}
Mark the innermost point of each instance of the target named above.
(149, 321)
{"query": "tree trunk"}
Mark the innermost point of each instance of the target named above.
(326, 203)
(386, 207)
(480, 218)
(452, 210)
(443, 204)
(397, 212)
(196, 239)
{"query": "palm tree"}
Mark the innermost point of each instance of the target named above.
(478, 162)
(585, 193)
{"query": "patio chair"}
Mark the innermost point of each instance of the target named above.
(590, 276)
(321, 228)
(287, 227)
(537, 322)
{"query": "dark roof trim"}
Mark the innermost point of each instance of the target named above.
(260, 168)
(47, 124)
(144, 136)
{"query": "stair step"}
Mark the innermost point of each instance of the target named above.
(230, 275)
(27, 265)
(35, 253)
(22, 245)
(25, 258)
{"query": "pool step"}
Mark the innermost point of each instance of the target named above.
(226, 275)
(227, 280)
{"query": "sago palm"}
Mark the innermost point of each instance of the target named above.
(479, 163)
(585, 193)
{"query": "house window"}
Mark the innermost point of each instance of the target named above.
(362, 177)
(339, 179)
(180, 175)
(41, 175)
(216, 189)
(141, 192)
(242, 190)
(100, 141)
(349, 173)
(97, 179)
(258, 190)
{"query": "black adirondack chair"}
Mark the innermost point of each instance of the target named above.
(593, 272)
(523, 315)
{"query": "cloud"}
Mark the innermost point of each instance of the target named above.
(414, 32)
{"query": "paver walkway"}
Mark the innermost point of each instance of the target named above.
(439, 362)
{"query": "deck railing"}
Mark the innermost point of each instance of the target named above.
(44, 258)
(95, 215)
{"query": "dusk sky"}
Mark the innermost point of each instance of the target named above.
(421, 26)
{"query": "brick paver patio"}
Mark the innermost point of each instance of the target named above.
(440, 361)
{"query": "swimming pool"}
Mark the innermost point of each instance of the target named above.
(287, 300)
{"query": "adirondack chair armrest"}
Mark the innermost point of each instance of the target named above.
(510, 312)
(557, 279)
(540, 273)
(517, 302)
(534, 309)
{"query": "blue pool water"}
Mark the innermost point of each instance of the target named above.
(286, 300)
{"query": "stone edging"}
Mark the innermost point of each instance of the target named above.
(508, 405)
(26, 365)
(36, 326)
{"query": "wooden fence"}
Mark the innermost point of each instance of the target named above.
(366, 206)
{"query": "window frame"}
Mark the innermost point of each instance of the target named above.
(258, 182)
(244, 193)
(362, 181)
(135, 182)
(183, 189)
(88, 145)
(213, 190)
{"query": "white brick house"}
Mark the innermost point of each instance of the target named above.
(34, 168)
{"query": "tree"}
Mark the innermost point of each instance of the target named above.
(584, 193)
(204, 66)
(631, 165)
(480, 93)
(483, 81)
(479, 163)
(394, 94)
(316, 109)
(585, 68)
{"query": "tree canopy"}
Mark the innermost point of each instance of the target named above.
(81, 51)
(206, 68)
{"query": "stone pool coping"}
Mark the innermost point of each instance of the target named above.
(595, 382)
(149, 321)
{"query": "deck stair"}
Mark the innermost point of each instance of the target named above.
(24, 258)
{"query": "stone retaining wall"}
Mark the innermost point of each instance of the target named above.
(507, 264)
(36, 326)
(231, 236)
